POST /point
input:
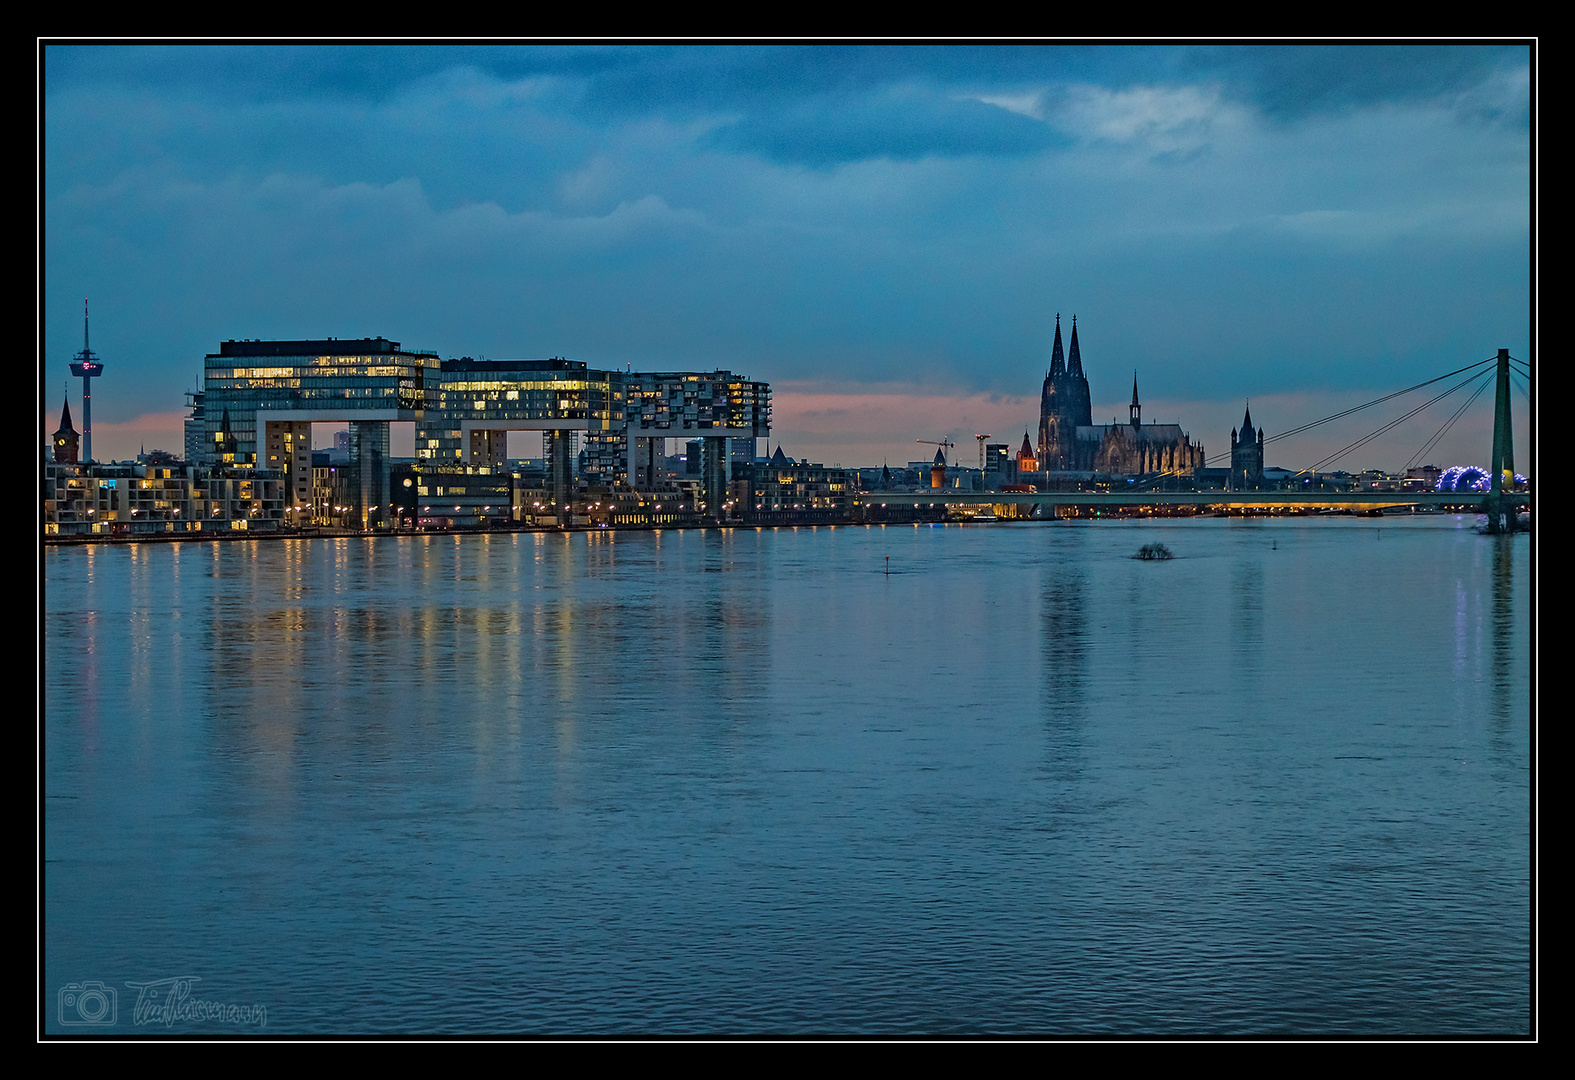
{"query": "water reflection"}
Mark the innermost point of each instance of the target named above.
(1511, 648)
(745, 781)
(1246, 630)
(1064, 634)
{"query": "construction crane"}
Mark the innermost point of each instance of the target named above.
(944, 444)
(981, 439)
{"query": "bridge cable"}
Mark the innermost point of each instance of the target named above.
(1393, 423)
(1523, 370)
(1224, 454)
(1389, 426)
(1428, 446)
(1377, 401)
(1519, 384)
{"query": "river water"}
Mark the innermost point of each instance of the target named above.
(749, 782)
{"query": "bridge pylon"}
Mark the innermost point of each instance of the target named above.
(1501, 508)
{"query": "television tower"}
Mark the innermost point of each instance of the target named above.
(89, 367)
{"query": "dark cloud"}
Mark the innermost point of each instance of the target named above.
(283, 72)
(1282, 80)
(705, 79)
(817, 104)
(1292, 82)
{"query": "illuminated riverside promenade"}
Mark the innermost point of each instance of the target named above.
(1248, 501)
(1021, 506)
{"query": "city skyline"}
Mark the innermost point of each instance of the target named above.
(884, 234)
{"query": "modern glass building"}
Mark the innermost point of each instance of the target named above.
(475, 402)
(257, 382)
(260, 399)
(717, 406)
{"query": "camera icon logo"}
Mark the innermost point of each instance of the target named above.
(88, 1002)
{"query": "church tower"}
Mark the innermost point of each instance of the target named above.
(1050, 407)
(1064, 405)
(1137, 410)
(1080, 410)
(1246, 456)
(65, 438)
(1026, 461)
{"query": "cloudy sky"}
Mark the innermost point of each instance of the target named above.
(884, 234)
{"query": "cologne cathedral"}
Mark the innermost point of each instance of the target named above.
(1070, 441)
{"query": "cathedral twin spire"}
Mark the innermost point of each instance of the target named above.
(1070, 441)
(1063, 404)
(1069, 363)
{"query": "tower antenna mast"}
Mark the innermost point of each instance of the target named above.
(89, 368)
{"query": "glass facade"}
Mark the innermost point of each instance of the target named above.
(260, 397)
(514, 395)
(689, 401)
(370, 378)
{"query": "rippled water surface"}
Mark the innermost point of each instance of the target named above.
(747, 782)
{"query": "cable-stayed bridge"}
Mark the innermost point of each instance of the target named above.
(1501, 502)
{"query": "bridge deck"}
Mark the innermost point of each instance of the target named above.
(1268, 500)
